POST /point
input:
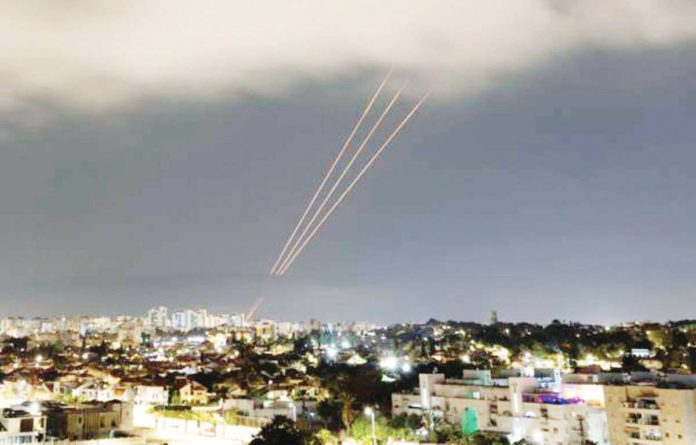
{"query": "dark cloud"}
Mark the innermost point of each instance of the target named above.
(101, 55)
(566, 193)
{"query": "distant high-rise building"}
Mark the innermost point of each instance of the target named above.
(493, 319)
(192, 319)
(235, 320)
(183, 320)
(158, 317)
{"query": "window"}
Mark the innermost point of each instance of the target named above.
(26, 425)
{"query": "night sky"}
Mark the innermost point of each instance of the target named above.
(563, 188)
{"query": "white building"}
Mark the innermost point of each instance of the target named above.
(101, 392)
(651, 414)
(189, 319)
(21, 426)
(288, 328)
(151, 395)
(236, 320)
(183, 320)
(543, 411)
(158, 317)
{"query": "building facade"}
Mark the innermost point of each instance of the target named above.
(90, 421)
(21, 426)
(648, 414)
(542, 411)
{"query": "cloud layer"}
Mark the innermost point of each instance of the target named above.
(102, 54)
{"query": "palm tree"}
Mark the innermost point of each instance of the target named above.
(347, 413)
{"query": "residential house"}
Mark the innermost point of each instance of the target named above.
(22, 425)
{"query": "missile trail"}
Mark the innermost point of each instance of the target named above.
(345, 171)
(252, 310)
(328, 173)
(374, 157)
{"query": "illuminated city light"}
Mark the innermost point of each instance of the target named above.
(331, 352)
(389, 363)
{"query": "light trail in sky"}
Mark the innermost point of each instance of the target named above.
(296, 252)
(328, 173)
(343, 174)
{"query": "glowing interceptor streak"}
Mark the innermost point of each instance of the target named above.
(374, 157)
(357, 125)
(343, 174)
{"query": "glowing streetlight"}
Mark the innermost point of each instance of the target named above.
(371, 414)
(389, 363)
(331, 352)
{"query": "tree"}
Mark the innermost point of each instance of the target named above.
(692, 359)
(330, 411)
(281, 431)
(488, 439)
(631, 363)
(325, 437)
(414, 421)
(361, 431)
(347, 412)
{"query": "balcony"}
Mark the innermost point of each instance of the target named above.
(644, 418)
(644, 437)
(641, 407)
(643, 441)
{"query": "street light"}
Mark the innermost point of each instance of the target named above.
(371, 413)
(390, 363)
(332, 352)
(292, 406)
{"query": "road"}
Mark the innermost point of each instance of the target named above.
(172, 438)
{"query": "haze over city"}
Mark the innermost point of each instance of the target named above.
(549, 175)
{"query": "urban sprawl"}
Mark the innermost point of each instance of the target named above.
(193, 376)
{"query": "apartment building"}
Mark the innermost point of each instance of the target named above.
(158, 317)
(544, 411)
(151, 395)
(21, 426)
(651, 414)
(89, 421)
